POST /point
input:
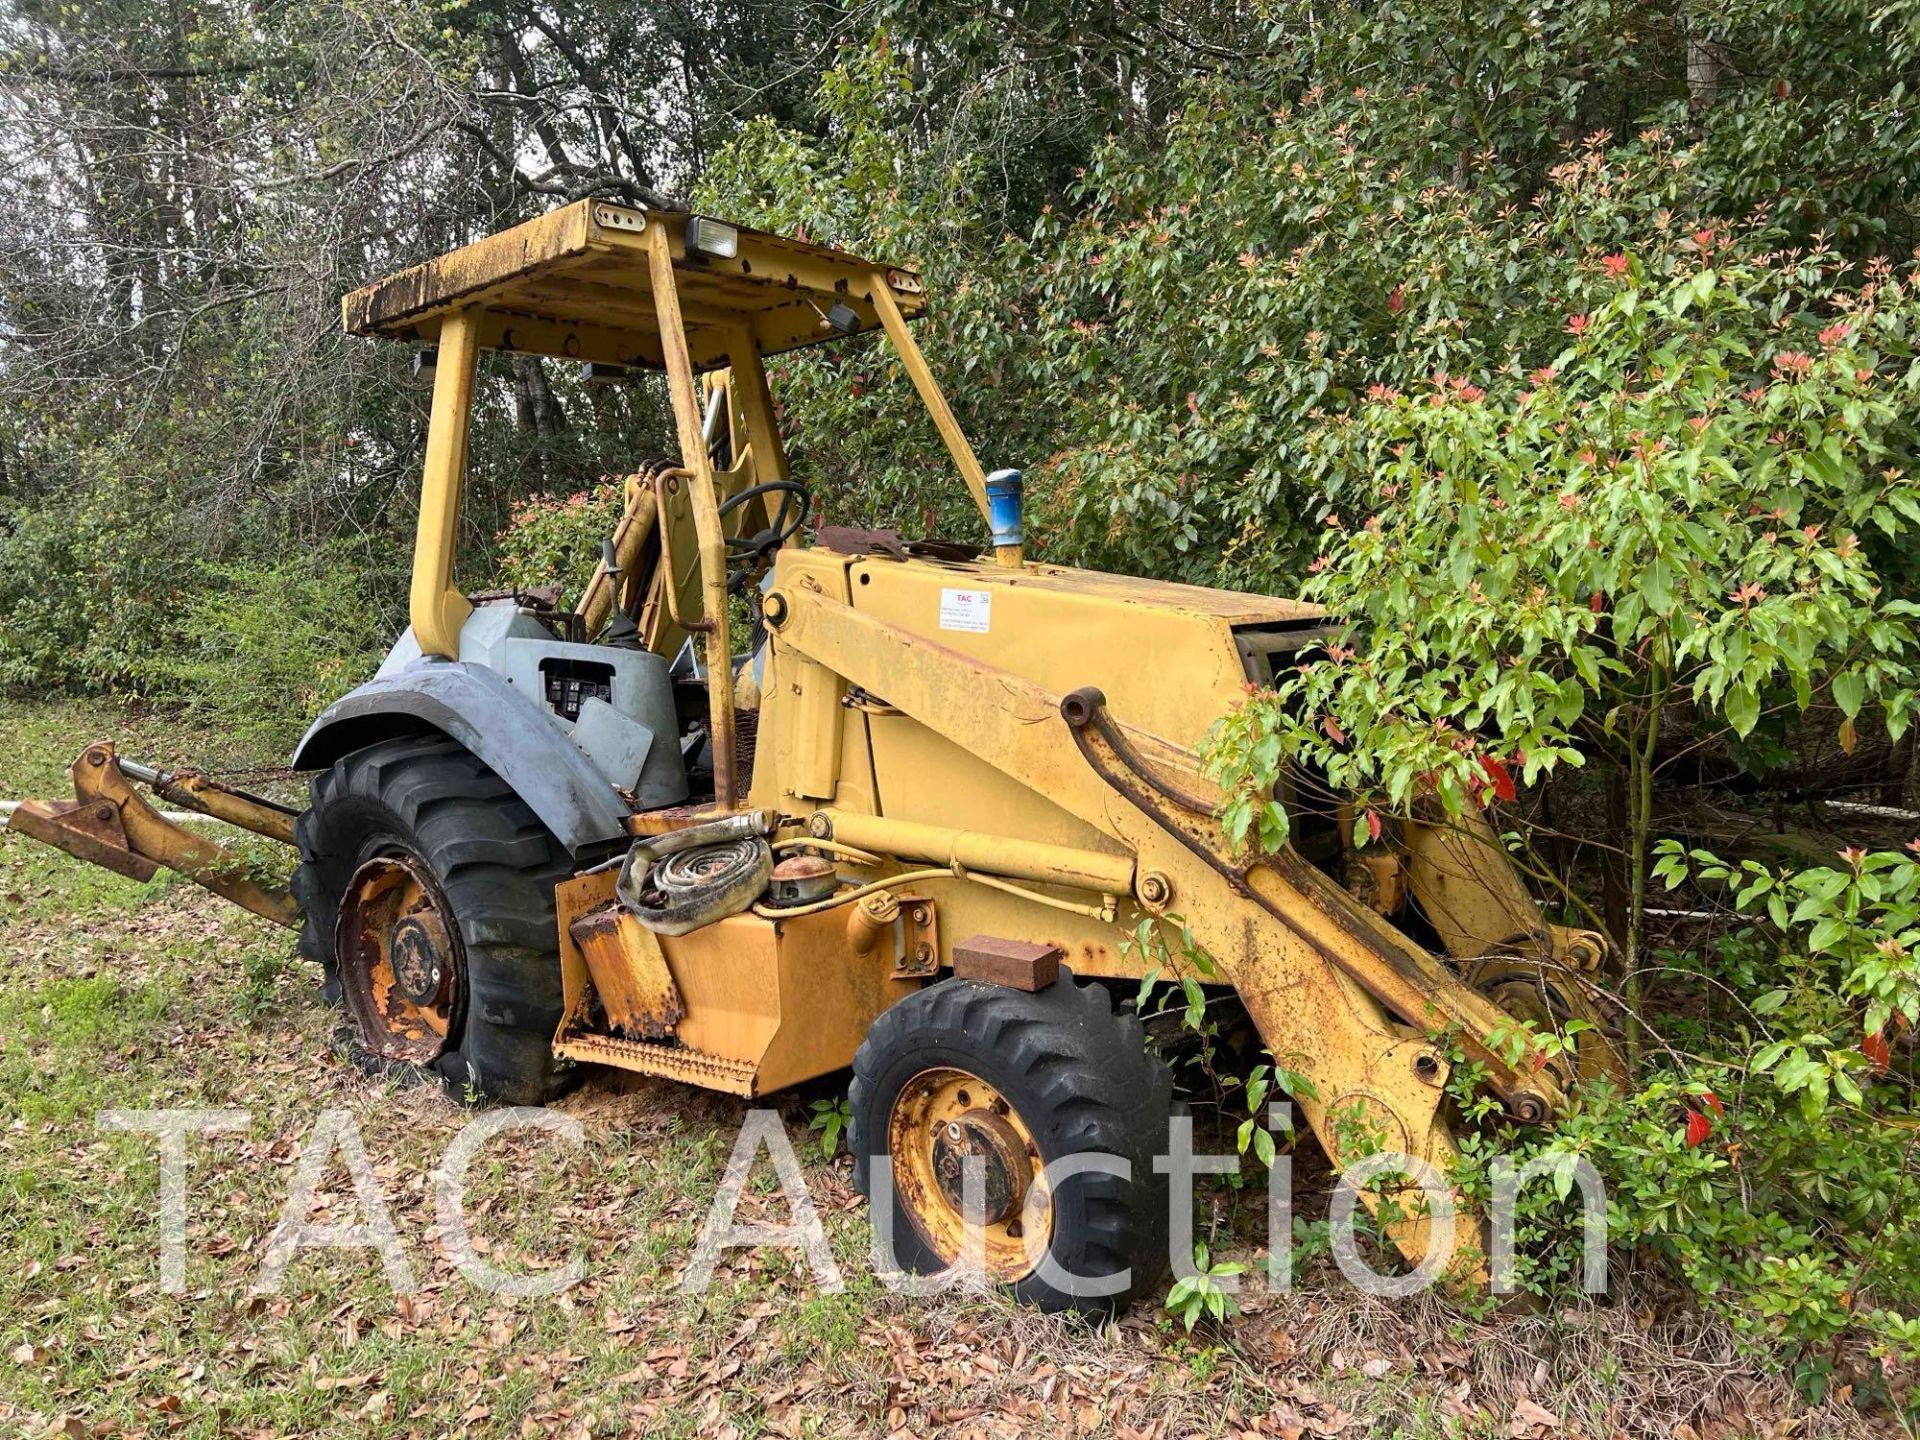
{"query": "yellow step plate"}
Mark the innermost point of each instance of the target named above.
(675, 1062)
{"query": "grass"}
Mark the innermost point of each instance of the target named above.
(122, 995)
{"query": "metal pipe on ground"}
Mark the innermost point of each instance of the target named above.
(7, 807)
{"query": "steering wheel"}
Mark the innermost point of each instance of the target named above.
(795, 500)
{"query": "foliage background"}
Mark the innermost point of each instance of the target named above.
(1261, 295)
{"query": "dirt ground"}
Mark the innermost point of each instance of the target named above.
(116, 995)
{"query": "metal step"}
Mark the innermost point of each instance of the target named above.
(674, 1062)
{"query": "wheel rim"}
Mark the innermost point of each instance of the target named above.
(400, 962)
(944, 1117)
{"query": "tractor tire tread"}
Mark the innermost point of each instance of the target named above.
(1093, 1087)
(497, 866)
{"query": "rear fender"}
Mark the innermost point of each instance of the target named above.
(511, 734)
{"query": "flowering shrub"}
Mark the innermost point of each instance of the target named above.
(1600, 447)
(1686, 504)
(1703, 498)
(556, 540)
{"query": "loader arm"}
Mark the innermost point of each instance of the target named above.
(1322, 976)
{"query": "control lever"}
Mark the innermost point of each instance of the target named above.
(620, 629)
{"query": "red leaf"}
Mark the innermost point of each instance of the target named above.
(1878, 1051)
(1334, 732)
(1373, 830)
(1698, 1128)
(1713, 1102)
(1496, 772)
(1598, 602)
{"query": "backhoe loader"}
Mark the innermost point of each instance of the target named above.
(904, 817)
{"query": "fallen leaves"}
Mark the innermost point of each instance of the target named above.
(1531, 1420)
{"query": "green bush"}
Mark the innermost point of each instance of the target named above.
(555, 540)
(1766, 1156)
(268, 647)
(89, 590)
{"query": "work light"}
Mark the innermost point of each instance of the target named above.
(711, 238)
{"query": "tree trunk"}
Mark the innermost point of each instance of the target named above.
(536, 411)
(1706, 69)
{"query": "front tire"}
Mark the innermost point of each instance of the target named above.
(963, 1071)
(418, 829)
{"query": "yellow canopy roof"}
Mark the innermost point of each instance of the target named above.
(575, 284)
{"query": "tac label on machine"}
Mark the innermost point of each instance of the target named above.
(966, 610)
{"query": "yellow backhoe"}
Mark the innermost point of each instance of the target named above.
(904, 819)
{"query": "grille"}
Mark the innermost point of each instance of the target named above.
(746, 735)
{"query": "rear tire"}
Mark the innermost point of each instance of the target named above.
(1076, 1078)
(428, 800)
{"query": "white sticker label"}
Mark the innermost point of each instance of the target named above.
(970, 610)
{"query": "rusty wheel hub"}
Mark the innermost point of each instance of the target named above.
(946, 1122)
(1547, 1000)
(400, 963)
(981, 1135)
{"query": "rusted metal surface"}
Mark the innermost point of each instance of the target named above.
(852, 540)
(801, 880)
(1016, 964)
(920, 957)
(681, 1063)
(944, 1121)
(1395, 972)
(401, 968)
(979, 713)
(768, 1003)
(681, 881)
(629, 971)
(673, 818)
(109, 824)
(193, 790)
(746, 739)
(87, 830)
(575, 284)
